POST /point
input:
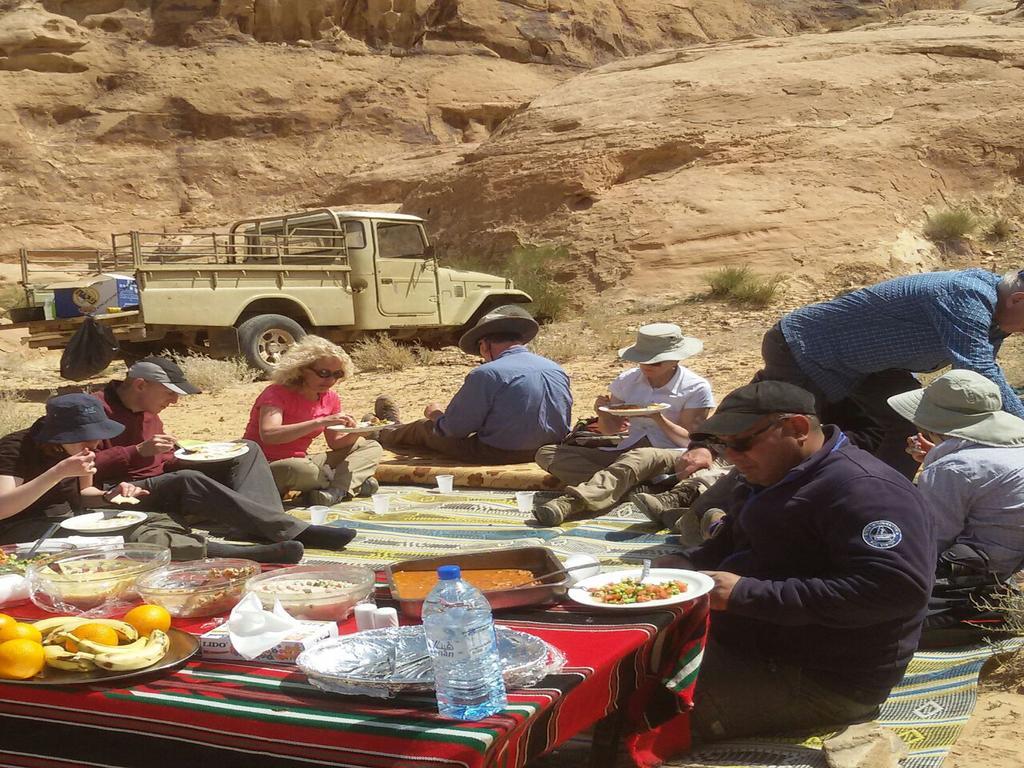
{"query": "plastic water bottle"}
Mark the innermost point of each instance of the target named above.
(460, 638)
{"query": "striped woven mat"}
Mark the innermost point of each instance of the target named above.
(928, 709)
(424, 523)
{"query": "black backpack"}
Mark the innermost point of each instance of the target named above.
(89, 351)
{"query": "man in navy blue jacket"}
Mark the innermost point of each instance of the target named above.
(822, 568)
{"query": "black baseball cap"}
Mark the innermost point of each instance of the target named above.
(75, 418)
(164, 371)
(742, 408)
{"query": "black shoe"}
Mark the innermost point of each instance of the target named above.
(326, 537)
(385, 409)
(368, 487)
(286, 552)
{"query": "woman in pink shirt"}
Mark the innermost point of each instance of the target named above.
(300, 405)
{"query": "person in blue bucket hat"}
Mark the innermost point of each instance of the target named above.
(46, 475)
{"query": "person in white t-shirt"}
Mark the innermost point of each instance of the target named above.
(597, 478)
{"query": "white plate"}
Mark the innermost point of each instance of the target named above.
(623, 410)
(94, 522)
(698, 583)
(362, 426)
(212, 452)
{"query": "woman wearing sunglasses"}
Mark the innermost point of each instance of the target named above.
(302, 404)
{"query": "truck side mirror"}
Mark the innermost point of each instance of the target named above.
(428, 252)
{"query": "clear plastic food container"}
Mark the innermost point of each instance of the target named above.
(199, 587)
(94, 581)
(314, 592)
(13, 557)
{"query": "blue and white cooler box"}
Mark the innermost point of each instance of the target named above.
(93, 294)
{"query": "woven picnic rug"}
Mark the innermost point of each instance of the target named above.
(424, 523)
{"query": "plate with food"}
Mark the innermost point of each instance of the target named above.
(623, 590)
(195, 450)
(81, 651)
(107, 522)
(634, 409)
(372, 424)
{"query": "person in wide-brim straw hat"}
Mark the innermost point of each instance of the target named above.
(506, 409)
(973, 471)
(598, 478)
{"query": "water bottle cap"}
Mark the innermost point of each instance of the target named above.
(449, 572)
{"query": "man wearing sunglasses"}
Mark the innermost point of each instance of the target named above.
(822, 569)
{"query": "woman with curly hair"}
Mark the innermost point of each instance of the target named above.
(298, 406)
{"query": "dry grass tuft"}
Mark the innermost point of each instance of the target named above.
(382, 353)
(999, 229)
(742, 286)
(212, 375)
(16, 414)
(948, 226)
(556, 342)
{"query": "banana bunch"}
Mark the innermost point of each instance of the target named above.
(131, 653)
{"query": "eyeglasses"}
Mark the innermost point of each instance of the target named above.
(323, 373)
(745, 443)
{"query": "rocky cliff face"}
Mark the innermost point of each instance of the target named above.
(513, 123)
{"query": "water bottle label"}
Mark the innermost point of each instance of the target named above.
(470, 645)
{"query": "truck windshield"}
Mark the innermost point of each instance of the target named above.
(400, 241)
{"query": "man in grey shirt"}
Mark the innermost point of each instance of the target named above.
(973, 473)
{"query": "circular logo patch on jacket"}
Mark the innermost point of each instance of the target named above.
(882, 534)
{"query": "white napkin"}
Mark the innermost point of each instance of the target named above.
(253, 630)
(13, 588)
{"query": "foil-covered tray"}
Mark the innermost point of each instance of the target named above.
(388, 662)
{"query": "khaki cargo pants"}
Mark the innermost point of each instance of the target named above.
(342, 470)
(602, 478)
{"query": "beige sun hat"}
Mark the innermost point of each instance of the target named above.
(658, 342)
(961, 404)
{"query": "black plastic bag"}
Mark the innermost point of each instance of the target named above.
(88, 352)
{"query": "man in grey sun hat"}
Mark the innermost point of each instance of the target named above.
(973, 471)
(506, 408)
(598, 477)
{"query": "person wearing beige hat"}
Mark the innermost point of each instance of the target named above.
(973, 472)
(597, 478)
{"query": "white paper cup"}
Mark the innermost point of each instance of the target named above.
(364, 613)
(384, 618)
(381, 503)
(524, 500)
(318, 515)
(444, 483)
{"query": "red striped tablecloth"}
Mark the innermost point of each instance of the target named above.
(256, 716)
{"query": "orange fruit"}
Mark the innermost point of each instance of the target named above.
(21, 659)
(6, 621)
(19, 631)
(98, 633)
(146, 618)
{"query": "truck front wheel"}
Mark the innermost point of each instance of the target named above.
(264, 338)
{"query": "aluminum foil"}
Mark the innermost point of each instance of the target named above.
(388, 662)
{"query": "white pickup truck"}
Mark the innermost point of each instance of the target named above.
(268, 281)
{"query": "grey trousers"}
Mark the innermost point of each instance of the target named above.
(416, 435)
(238, 495)
(739, 696)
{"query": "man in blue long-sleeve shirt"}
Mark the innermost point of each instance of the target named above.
(506, 409)
(822, 569)
(861, 348)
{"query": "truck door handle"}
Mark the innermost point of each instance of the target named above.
(386, 281)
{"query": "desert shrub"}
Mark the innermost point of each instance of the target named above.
(954, 224)
(11, 295)
(534, 270)
(382, 353)
(212, 375)
(425, 355)
(1000, 229)
(16, 414)
(743, 286)
(556, 342)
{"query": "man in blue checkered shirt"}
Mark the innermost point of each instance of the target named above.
(857, 350)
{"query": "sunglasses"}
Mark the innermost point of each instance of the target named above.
(745, 443)
(323, 373)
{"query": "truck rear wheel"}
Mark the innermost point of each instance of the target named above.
(264, 338)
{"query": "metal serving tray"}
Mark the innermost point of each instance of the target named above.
(536, 560)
